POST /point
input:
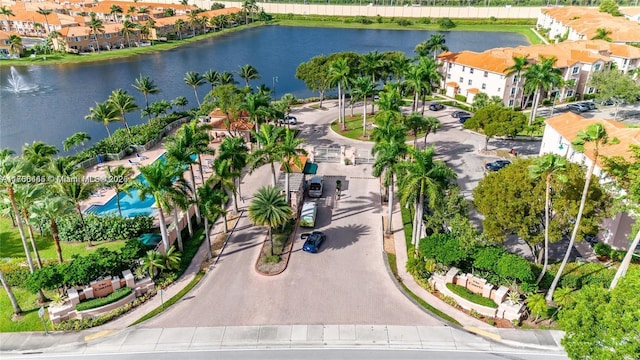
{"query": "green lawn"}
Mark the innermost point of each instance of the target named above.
(11, 245)
(354, 127)
(30, 321)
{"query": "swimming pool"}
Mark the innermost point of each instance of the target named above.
(130, 204)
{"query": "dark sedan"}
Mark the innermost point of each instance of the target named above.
(459, 114)
(436, 107)
(497, 165)
(313, 241)
(463, 119)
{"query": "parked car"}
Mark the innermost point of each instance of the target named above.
(313, 241)
(589, 104)
(591, 239)
(497, 165)
(608, 102)
(463, 119)
(316, 185)
(436, 107)
(577, 108)
(459, 114)
(308, 214)
(291, 120)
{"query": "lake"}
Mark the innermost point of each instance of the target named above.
(59, 96)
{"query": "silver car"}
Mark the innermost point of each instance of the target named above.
(316, 185)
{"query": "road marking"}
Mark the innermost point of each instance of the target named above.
(483, 332)
(98, 335)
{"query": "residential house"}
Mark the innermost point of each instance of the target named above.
(165, 26)
(580, 23)
(81, 38)
(560, 132)
(27, 21)
(5, 45)
(468, 73)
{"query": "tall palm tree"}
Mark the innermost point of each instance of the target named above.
(213, 77)
(431, 77)
(224, 176)
(45, 13)
(180, 102)
(248, 72)
(423, 177)
(75, 140)
(414, 122)
(339, 74)
(414, 80)
(123, 103)
(520, 64)
(51, 209)
(268, 138)
(179, 199)
(372, 64)
(96, 26)
(194, 79)
(226, 78)
(39, 154)
(159, 177)
(128, 28)
(118, 177)
(180, 153)
(211, 202)
(538, 77)
(389, 149)
(596, 136)
(545, 168)
(17, 311)
(431, 125)
(624, 265)
(249, 7)
(105, 113)
(255, 105)
(114, 11)
(269, 208)
(434, 45)
(362, 88)
(180, 26)
(146, 86)
(236, 151)
(7, 12)
(289, 151)
(15, 44)
(602, 34)
(26, 195)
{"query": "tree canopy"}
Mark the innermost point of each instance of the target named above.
(613, 85)
(495, 120)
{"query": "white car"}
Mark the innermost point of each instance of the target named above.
(291, 120)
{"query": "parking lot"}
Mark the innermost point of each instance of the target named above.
(628, 113)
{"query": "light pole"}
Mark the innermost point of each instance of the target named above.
(274, 80)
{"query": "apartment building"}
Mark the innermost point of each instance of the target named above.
(631, 13)
(468, 73)
(82, 39)
(560, 132)
(580, 23)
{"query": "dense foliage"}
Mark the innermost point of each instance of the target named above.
(496, 120)
(98, 302)
(104, 227)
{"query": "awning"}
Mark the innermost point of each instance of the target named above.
(150, 239)
(310, 168)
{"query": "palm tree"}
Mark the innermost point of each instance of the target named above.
(105, 113)
(597, 136)
(423, 177)
(39, 154)
(15, 44)
(180, 102)
(434, 45)
(545, 168)
(180, 25)
(224, 178)
(179, 199)
(123, 103)
(118, 177)
(7, 12)
(26, 195)
(372, 64)
(414, 122)
(339, 74)
(152, 262)
(431, 77)
(267, 138)
(389, 149)
(248, 72)
(414, 80)
(14, 302)
(194, 79)
(520, 64)
(362, 88)
(212, 200)
(255, 105)
(538, 77)
(213, 77)
(236, 151)
(159, 177)
(75, 140)
(269, 208)
(146, 86)
(96, 26)
(128, 28)
(431, 125)
(226, 78)
(602, 34)
(51, 209)
(45, 12)
(180, 153)
(249, 7)
(624, 265)
(289, 151)
(114, 11)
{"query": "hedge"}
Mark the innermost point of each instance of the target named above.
(111, 298)
(466, 294)
(103, 228)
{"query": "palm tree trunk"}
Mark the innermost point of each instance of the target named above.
(546, 230)
(418, 225)
(286, 187)
(32, 239)
(14, 302)
(208, 237)
(583, 201)
(344, 111)
(224, 218)
(415, 220)
(163, 228)
(273, 174)
(321, 98)
(340, 106)
(415, 101)
(176, 223)
(390, 207)
(56, 239)
(23, 237)
(624, 266)
(195, 193)
(235, 195)
(364, 118)
(196, 94)
(534, 108)
(118, 201)
(84, 226)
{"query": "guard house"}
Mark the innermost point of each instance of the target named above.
(297, 180)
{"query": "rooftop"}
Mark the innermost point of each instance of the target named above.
(587, 21)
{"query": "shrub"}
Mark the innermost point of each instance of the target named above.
(486, 258)
(577, 275)
(517, 108)
(466, 294)
(602, 249)
(446, 23)
(272, 258)
(111, 298)
(379, 19)
(103, 228)
(16, 272)
(76, 324)
(460, 98)
(617, 255)
(363, 20)
(547, 102)
(404, 22)
(48, 278)
(443, 248)
(514, 267)
(425, 20)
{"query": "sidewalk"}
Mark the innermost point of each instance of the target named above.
(536, 339)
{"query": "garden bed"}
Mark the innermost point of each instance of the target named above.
(275, 264)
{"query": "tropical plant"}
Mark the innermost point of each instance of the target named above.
(537, 306)
(171, 259)
(146, 86)
(96, 26)
(128, 28)
(51, 209)
(267, 153)
(212, 76)
(236, 152)
(180, 101)
(520, 64)
(194, 79)
(180, 26)
(75, 140)
(123, 103)
(269, 208)
(212, 200)
(118, 178)
(26, 195)
(152, 262)
(339, 74)
(602, 34)
(224, 176)
(363, 87)
(7, 12)
(289, 152)
(248, 72)
(15, 44)
(434, 45)
(104, 113)
(45, 13)
(17, 310)
(539, 76)
(596, 137)
(39, 154)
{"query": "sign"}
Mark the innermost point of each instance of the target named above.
(102, 288)
(475, 285)
(41, 312)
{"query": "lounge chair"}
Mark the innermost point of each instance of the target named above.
(141, 157)
(133, 162)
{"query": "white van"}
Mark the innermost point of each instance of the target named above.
(308, 214)
(316, 185)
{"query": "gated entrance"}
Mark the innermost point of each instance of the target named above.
(327, 154)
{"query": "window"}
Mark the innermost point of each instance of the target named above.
(448, 76)
(575, 70)
(590, 90)
(471, 71)
(107, 36)
(470, 82)
(486, 74)
(463, 68)
(596, 67)
(515, 79)
(76, 39)
(499, 89)
(450, 66)
(570, 93)
(510, 102)
(461, 80)
(484, 86)
(625, 61)
(513, 91)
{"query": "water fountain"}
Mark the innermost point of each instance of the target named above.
(17, 84)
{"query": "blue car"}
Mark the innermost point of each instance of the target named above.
(463, 119)
(313, 241)
(497, 165)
